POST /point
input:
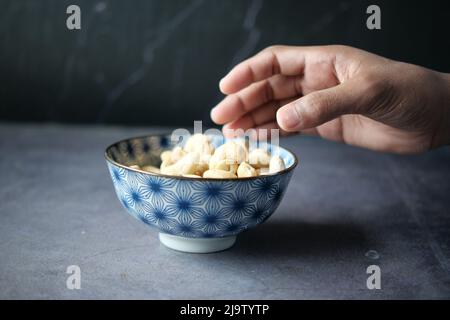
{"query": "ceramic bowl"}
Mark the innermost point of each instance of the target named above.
(193, 215)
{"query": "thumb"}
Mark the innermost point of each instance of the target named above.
(319, 107)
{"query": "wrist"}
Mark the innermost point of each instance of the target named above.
(444, 128)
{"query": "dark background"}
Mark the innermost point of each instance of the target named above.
(159, 62)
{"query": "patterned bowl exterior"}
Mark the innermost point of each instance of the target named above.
(193, 208)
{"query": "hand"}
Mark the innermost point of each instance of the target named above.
(339, 93)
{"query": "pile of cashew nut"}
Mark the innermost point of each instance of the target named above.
(199, 159)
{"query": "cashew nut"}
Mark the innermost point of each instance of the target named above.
(191, 176)
(189, 164)
(276, 164)
(263, 171)
(218, 174)
(246, 170)
(259, 158)
(199, 143)
(231, 160)
(232, 152)
(166, 156)
(222, 164)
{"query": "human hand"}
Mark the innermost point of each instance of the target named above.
(339, 93)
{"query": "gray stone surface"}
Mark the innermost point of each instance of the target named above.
(58, 208)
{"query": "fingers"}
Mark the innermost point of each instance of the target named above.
(319, 107)
(255, 118)
(265, 113)
(286, 60)
(256, 95)
(234, 106)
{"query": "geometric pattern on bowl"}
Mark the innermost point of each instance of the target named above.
(192, 208)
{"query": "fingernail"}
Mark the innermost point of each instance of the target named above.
(289, 116)
(211, 113)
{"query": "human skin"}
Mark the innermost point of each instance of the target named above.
(339, 93)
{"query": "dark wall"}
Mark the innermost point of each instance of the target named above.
(159, 62)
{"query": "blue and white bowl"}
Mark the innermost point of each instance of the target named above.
(193, 214)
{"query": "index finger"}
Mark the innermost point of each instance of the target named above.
(289, 61)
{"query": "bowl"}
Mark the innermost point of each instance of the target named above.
(194, 215)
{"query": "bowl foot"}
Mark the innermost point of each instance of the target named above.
(196, 245)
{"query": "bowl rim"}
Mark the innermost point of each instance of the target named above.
(108, 159)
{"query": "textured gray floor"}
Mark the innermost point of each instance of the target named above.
(58, 208)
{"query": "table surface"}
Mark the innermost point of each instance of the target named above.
(345, 209)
